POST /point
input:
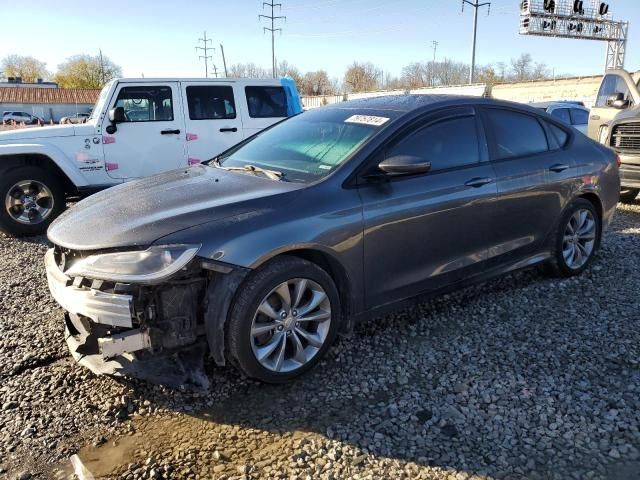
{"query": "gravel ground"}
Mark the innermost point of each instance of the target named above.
(521, 377)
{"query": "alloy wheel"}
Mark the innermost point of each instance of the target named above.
(579, 238)
(29, 202)
(291, 325)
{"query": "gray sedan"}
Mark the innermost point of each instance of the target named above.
(261, 256)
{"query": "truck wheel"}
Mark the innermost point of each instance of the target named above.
(31, 199)
(283, 320)
(628, 195)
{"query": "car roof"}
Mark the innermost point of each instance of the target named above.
(563, 104)
(402, 104)
(250, 81)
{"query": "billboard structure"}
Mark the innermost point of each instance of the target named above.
(576, 19)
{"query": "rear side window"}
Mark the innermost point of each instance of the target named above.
(146, 103)
(515, 134)
(562, 114)
(210, 102)
(266, 102)
(579, 117)
(446, 144)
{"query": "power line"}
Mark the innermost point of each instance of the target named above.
(273, 28)
(206, 57)
(476, 6)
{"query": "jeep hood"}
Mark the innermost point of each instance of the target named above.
(28, 133)
(142, 211)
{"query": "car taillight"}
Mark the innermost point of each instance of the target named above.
(618, 160)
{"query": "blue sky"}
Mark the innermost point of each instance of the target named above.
(157, 37)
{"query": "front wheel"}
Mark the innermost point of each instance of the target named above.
(628, 195)
(32, 198)
(577, 238)
(283, 320)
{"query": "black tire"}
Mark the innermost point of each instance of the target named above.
(628, 195)
(8, 179)
(249, 297)
(558, 264)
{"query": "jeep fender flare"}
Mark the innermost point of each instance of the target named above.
(63, 162)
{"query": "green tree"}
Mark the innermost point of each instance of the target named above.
(86, 71)
(30, 69)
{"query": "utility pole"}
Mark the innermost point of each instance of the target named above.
(273, 29)
(224, 62)
(476, 6)
(205, 41)
(434, 45)
(101, 68)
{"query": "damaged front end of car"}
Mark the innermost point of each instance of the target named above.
(151, 314)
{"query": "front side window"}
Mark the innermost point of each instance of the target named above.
(515, 134)
(562, 114)
(146, 103)
(579, 117)
(307, 147)
(612, 84)
(211, 102)
(445, 144)
(266, 102)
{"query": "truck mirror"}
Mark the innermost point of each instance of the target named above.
(117, 115)
(617, 100)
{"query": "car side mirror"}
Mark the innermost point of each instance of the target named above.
(404, 165)
(618, 101)
(116, 115)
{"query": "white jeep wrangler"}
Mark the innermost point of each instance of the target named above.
(138, 127)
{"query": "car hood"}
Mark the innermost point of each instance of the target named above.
(19, 134)
(142, 211)
(628, 114)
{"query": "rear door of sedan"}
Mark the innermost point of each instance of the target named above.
(535, 171)
(423, 232)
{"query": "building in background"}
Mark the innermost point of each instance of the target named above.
(45, 99)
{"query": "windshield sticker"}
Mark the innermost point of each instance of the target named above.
(367, 120)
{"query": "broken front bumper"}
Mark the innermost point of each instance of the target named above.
(103, 334)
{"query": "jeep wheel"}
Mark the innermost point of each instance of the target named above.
(628, 195)
(284, 318)
(31, 200)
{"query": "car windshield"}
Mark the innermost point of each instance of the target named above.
(307, 147)
(102, 98)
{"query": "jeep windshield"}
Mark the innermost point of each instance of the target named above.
(307, 147)
(102, 98)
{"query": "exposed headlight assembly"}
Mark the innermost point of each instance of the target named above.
(603, 134)
(137, 266)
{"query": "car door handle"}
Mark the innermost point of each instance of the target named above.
(478, 182)
(170, 132)
(229, 129)
(595, 117)
(558, 167)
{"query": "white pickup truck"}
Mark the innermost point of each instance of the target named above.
(138, 127)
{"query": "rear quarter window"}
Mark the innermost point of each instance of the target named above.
(266, 102)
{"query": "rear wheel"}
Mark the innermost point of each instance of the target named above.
(31, 200)
(283, 320)
(628, 195)
(577, 238)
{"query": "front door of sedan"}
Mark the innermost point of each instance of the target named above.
(425, 231)
(534, 177)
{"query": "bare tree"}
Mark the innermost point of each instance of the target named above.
(30, 69)
(317, 83)
(248, 70)
(521, 67)
(362, 77)
(284, 69)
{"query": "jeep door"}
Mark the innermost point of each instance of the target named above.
(212, 119)
(152, 139)
(425, 231)
(618, 82)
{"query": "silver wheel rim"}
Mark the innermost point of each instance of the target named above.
(29, 202)
(291, 325)
(579, 238)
